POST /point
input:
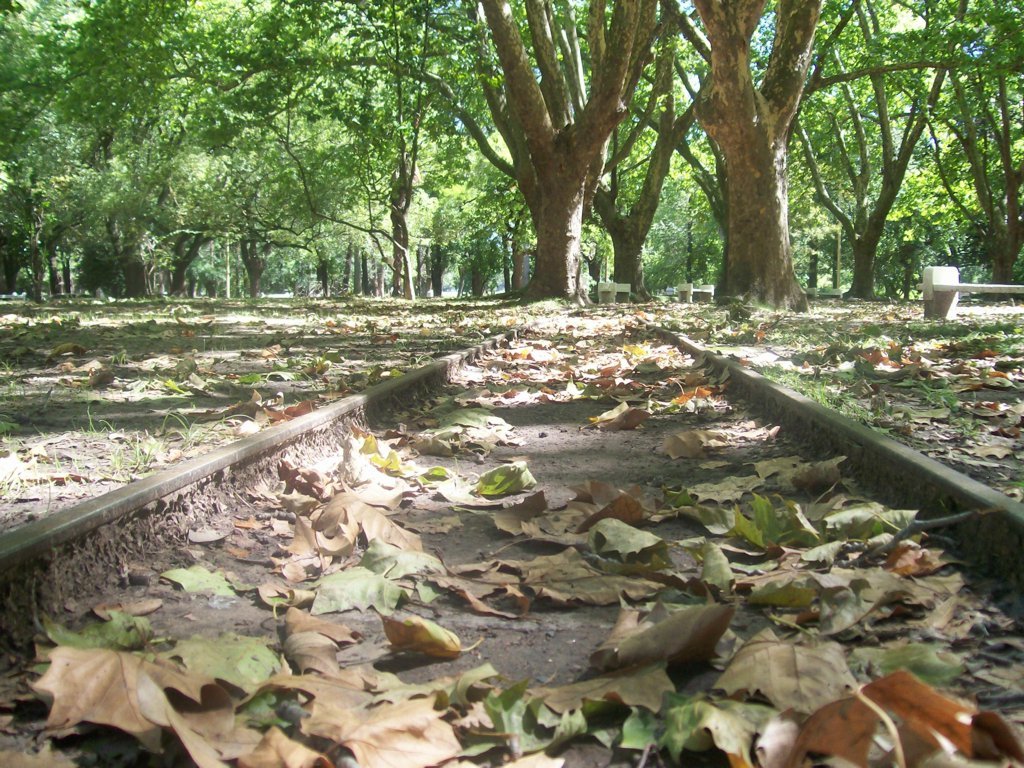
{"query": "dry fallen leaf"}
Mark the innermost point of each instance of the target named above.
(276, 750)
(409, 734)
(422, 636)
(693, 443)
(790, 676)
(686, 635)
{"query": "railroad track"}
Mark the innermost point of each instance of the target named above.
(563, 572)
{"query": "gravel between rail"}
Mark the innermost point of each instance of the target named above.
(645, 462)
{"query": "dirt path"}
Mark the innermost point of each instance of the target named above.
(353, 574)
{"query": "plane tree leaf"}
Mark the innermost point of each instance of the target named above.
(420, 635)
(686, 635)
(863, 521)
(100, 686)
(406, 734)
(122, 632)
(929, 663)
(511, 519)
(789, 675)
(612, 537)
(696, 724)
(644, 687)
(356, 588)
(933, 722)
(524, 723)
(276, 750)
(693, 443)
(626, 507)
(506, 479)
(245, 662)
(395, 562)
(196, 578)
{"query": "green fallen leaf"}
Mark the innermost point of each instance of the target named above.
(695, 724)
(611, 537)
(199, 579)
(122, 633)
(359, 589)
(394, 562)
(928, 663)
(863, 521)
(245, 662)
(506, 479)
(715, 568)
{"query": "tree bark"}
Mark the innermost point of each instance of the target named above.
(254, 259)
(438, 264)
(555, 132)
(185, 251)
(751, 124)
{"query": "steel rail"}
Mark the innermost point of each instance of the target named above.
(993, 538)
(43, 536)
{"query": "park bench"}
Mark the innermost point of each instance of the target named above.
(702, 294)
(608, 293)
(942, 288)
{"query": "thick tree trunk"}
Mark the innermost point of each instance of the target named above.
(865, 254)
(1003, 251)
(134, 269)
(438, 264)
(760, 264)
(186, 250)
(558, 219)
(520, 265)
(751, 124)
(254, 259)
(53, 268)
(323, 275)
(627, 248)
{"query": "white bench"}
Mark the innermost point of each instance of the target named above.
(608, 293)
(689, 293)
(942, 288)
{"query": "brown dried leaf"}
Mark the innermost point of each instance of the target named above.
(693, 443)
(819, 476)
(687, 635)
(625, 507)
(511, 519)
(132, 608)
(790, 676)
(409, 734)
(643, 687)
(421, 636)
(276, 750)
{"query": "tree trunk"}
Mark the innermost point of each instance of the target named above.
(520, 265)
(438, 264)
(364, 261)
(53, 266)
(865, 253)
(760, 265)
(254, 259)
(751, 124)
(555, 131)
(558, 218)
(346, 269)
(323, 275)
(627, 246)
(134, 268)
(186, 250)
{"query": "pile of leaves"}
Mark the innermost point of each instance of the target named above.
(774, 615)
(952, 390)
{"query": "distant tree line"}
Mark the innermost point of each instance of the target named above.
(414, 147)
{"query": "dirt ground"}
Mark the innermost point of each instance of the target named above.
(552, 393)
